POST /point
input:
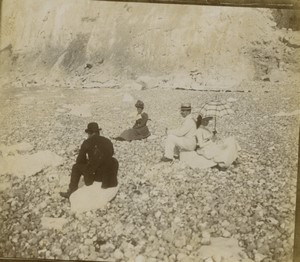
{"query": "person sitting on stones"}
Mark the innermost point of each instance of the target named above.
(95, 162)
(223, 151)
(211, 150)
(139, 130)
(182, 137)
(204, 136)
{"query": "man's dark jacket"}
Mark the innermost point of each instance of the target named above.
(96, 153)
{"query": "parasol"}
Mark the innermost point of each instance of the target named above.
(216, 109)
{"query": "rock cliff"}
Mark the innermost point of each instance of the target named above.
(112, 44)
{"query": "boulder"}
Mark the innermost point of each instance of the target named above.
(228, 248)
(91, 197)
(16, 148)
(28, 164)
(53, 222)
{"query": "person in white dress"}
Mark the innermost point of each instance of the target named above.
(182, 138)
(211, 151)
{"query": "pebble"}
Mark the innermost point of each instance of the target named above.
(202, 226)
(42, 252)
(205, 234)
(214, 213)
(88, 242)
(180, 242)
(244, 229)
(83, 229)
(243, 255)
(118, 229)
(43, 205)
(231, 259)
(225, 233)
(205, 238)
(225, 223)
(181, 256)
(168, 235)
(158, 214)
(15, 240)
(25, 232)
(81, 256)
(118, 254)
(259, 257)
(189, 247)
(205, 241)
(152, 259)
(217, 258)
(177, 220)
(259, 223)
(93, 256)
(107, 248)
(273, 221)
(140, 258)
(57, 251)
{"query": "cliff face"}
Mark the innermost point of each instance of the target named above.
(186, 46)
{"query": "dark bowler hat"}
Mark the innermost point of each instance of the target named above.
(92, 128)
(186, 107)
(139, 104)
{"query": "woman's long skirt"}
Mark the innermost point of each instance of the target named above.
(134, 134)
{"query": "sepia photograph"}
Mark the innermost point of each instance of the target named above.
(148, 131)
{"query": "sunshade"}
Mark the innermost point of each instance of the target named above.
(216, 109)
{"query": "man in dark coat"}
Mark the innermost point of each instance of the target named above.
(95, 162)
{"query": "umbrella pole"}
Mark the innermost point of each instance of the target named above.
(215, 131)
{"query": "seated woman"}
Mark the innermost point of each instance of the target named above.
(203, 135)
(139, 130)
(210, 152)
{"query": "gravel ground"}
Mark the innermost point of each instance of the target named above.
(163, 212)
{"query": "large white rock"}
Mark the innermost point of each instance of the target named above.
(26, 165)
(224, 247)
(53, 222)
(91, 197)
(16, 148)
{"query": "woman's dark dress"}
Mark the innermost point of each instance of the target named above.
(138, 131)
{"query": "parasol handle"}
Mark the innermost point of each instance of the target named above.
(215, 131)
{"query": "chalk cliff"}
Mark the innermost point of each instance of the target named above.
(94, 43)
